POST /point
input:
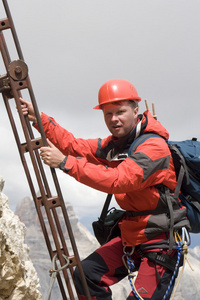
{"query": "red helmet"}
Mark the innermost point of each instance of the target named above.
(116, 90)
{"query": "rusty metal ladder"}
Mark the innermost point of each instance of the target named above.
(49, 207)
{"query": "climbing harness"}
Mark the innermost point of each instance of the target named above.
(54, 272)
(169, 262)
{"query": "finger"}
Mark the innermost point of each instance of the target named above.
(44, 149)
(42, 154)
(24, 108)
(45, 162)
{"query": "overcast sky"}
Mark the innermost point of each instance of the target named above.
(73, 47)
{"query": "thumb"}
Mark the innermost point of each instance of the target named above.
(51, 145)
(23, 100)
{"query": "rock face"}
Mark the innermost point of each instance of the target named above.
(18, 278)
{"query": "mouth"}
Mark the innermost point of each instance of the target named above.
(116, 126)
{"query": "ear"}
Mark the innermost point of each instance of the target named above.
(136, 111)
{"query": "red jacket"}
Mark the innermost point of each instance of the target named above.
(135, 180)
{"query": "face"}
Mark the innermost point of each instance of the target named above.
(120, 118)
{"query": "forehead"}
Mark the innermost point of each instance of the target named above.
(115, 105)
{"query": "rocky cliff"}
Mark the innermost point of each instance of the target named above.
(189, 287)
(18, 278)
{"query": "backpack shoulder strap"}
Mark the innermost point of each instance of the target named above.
(105, 208)
(139, 140)
(176, 154)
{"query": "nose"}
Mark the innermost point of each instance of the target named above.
(114, 118)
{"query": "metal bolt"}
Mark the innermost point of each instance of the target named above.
(18, 69)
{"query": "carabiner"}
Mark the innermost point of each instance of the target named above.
(185, 236)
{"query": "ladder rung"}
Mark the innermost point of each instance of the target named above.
(4, 24)
(19, 85)
(35, 143)
(50, 202)
(53, 202)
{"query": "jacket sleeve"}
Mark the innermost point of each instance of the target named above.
(150, 165)
(66, 142)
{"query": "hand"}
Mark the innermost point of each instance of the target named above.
(27, 109)
(51, 155)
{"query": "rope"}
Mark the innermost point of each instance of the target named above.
(185, 242)
(130, 267)
(179, 249)
(53, 273)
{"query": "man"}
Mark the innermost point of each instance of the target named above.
(142, 183)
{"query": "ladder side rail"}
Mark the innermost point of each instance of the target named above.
(68, 224)
(71, 236)
(28, 175)
(35, 106)
(21, 152)
(12, 27)
(41, 186)
(73, 243)
(63, 250)
(15, 86)
(55, 214)
(16, 95)
(31, 185)
(15, 89)
(38, 159)
(36, 110)
(4, 51)
(6, 58)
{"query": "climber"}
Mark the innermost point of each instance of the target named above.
(139, 183)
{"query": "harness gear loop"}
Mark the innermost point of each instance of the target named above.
(53, 272)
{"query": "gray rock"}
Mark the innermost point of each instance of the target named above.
(18, 278)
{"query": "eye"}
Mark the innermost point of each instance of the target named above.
(120, 112)
(108, 114)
